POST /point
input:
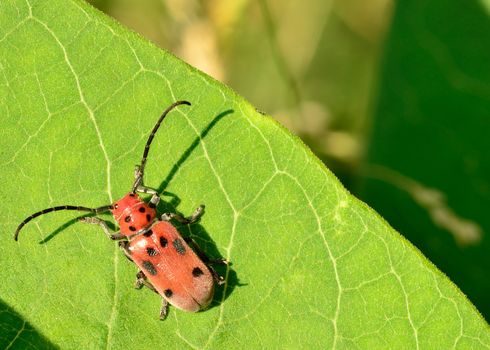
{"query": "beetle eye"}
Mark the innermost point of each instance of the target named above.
(116, 206)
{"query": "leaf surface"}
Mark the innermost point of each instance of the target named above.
(312, 265)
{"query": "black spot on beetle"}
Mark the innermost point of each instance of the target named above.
(168, 293)
(179, 247)
(163, 241)
(148, 233)
(196, 272)
(131, 194)
(148, 266)
(151, 251)
(132, 228)
(148, 217)
(141, 209)
(127, 218)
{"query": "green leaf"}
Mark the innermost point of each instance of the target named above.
(435, 94)
(312, 265)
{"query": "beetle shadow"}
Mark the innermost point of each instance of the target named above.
(196, 231)
(18, 333)
(191, 148)
(58, 231)
(71, 222)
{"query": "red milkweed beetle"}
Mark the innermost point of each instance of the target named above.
(168, 266)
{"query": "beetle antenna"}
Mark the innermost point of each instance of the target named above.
(61, 207)
(141, 168)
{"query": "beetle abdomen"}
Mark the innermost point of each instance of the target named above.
(172, 267)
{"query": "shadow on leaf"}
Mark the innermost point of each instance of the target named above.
(197, 231)
(191, 148)
(16, 333)
(68, 224)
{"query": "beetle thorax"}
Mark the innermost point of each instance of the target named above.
(132, 214)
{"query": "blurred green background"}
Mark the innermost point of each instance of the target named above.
(394, 97)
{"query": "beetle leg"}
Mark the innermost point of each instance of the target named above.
(139, 187)
(141, 281)
(97, 221)
(164, 309)
(144, 189)
(155, 197)
(220, 280)
(185, 220)
(117, 236)
(154, 200)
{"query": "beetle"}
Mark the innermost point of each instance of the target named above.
(167, 265)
